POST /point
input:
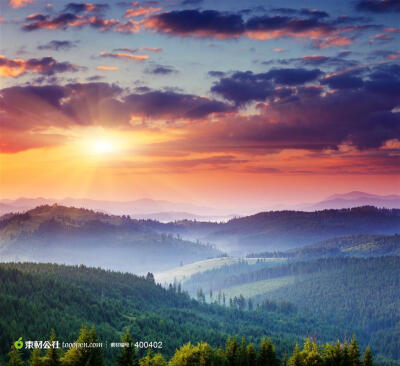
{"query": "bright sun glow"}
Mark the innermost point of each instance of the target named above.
(102, 146)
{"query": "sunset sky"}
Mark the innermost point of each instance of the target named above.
(238, 104)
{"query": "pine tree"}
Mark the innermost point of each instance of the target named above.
(152, 359)
(354, 353)
(96, 353)
(128, 356)
(266, 354)
(296, 359)
(243, 358)
(15, 358)
(81, 356)
(35, 359)
(52, 357)
(368, 361)
(251, 355)
(232, 352)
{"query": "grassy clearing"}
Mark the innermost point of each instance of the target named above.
(257, 288)
(184, 272)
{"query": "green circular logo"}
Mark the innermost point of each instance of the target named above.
(19, 344)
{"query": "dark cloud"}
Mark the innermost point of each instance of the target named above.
(85, 7)
(378, 6)
(160, 70)
(169, 104)
(198, 23)
(57, 45)
(45, 66)
(65, 20)
(304, 11)
(244, 87)
(31, 108)
(192, 2)
(216, 74)
(343, 81)
(312, 24)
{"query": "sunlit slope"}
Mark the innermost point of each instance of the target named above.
(184, 272)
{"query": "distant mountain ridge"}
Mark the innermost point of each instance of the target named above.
(356, 199)
(344, 246)
(80, 236)
(282, 230)
(141, 208)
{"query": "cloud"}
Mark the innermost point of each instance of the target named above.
(343, 81)
(207, 23)
(306, 23)
(65, 20)
(378, 6)
(160, 70)
(28, 109)
(245, 87)
(19, 3)
(85, 7)
(107, 68)
(140, 49)
(57, 45)
(126, 56)
(44, 66)
(140, 11)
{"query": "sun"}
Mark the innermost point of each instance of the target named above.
(102, 146)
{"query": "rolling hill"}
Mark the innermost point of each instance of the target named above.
(37, 297)
(282, 230)
(79, 236)
(344, 246)
(353, 293)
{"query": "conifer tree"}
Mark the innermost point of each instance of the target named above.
(243, 358)
(52, 357)
(35, 359)
(232, 352)
(152, 359)
(128, 356)
(296, 359)
(266, 354)
(354, 353)
(96, 353)
(251, 355)
(15, 358)
(368, 361)
(81, 356)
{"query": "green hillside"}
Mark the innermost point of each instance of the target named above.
(356, 294)
(37, 297)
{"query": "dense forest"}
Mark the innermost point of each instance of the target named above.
(235, 353)
(344, 246)
(282, 230)
(356, 294)
(35, 298)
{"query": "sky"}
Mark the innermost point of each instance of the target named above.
(235, 104)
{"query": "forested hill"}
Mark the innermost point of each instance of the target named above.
(344, 246)
(37, 297)
(79, 236)
(280, 230)
(357, 293)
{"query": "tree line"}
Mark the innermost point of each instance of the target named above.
(235, 353)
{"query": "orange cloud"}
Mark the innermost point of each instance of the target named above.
(46, 66)
(122, 55)
(140, 11)
(19, 3)
(107, 68)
